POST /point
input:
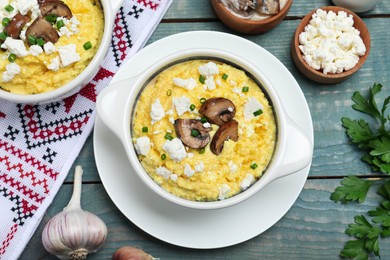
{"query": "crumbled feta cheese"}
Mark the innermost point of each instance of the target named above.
(175, 149)
(164, 172)
(238, 91)
(49, 48)
(188, 171)
(16, 47)
(157, 132)
(142, 145)
(12, 69)
(156, 111)
(173, 177)
(64, 31)
(23, 35)
(233, 167)
(199, 167)
(209, 69)
(233, 83)
(54, 64)
(26, 5)
(209, 83)
(251, 106)
(171, 120)
(188, 84)
(223, 191)
(330, 42)
(35, 50)
(247, 181)
(68, 54)
(182, 105)
(218, 82)
(206, 125)
(170, 112)
(190, 155)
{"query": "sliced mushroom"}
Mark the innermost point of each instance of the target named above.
(55, 7)
(16, 25)
(41, 28)
(218, 110)
(269, 7)
(184, 128)
(228, 130)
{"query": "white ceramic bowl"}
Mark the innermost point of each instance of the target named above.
(115, 105)
(357, 6)
(110, 8)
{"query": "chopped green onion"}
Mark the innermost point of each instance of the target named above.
(203, 120)
(254, 166)
(145, 129)
(202, 100)
(169, 92)
(40, 42)
(12, 57)
(202, 150)
(51, 18)
(245, 89)
(195, 133)
(163, 156)
(31, 40)
(258, 112)
(3, 36)
(225, 76)
(5, 21)
(168, 136)
(9, 8)
(192, 107)
(202, 79)
(87, 45)
(59, 24)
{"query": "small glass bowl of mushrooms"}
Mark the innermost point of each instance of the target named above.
(251, 16)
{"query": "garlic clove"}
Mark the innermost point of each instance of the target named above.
(74, 233)
(131, 253)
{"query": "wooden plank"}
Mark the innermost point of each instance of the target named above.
(202, 9)
(313, 228)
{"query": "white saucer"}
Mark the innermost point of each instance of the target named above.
(200, 228)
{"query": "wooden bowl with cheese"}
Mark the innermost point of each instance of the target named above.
(251, 16)
(330, 53)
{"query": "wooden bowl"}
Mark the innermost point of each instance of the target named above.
(245, 25)
(318, 75)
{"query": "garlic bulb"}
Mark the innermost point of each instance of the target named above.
(74, 233)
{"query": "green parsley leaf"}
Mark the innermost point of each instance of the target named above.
(352, 189)
(367, 105)
(358, 131)
(354, 249)
(366, 233)
(381, 147)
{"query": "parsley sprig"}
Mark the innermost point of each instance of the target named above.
(376, 143)
(374, 139)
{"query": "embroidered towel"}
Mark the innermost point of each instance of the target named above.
(38, 144)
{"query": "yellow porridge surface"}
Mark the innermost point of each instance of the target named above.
(201, 175)
(48, 70)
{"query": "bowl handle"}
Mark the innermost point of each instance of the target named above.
(116, 4)
(109, 100)
(298, 153)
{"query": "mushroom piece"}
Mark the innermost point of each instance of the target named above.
(192, 133)
(218, 110)
(269, 7)
(41, 28)
(228, 130)
(16, 25)
(55, 7)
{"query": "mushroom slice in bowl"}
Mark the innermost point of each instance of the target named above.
(41, 28)
(55, 7)
(228, 130)
(16, 25)
(192, 133)
(218, 110)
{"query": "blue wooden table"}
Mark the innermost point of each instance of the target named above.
(314, 227)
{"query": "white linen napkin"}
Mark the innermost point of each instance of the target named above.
(39, 143)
